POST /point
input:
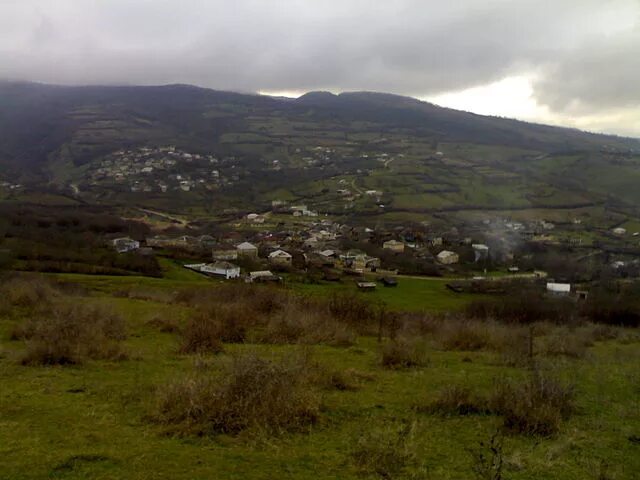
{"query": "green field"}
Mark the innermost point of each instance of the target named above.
(92, 420)
(412, 294)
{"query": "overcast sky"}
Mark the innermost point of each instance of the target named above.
(570, 62)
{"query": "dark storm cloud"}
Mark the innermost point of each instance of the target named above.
(414, 47)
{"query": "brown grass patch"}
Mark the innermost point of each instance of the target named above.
(27, 292)
(404, 353)
(299, 324)
(536, 406)
(454, 400)
(385, 451)
(70, 334)
(253, 392)
(164, 324)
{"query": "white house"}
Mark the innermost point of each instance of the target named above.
(262, 276)
(280, 257)
(393, 245)
(224, 269)
(480, 250)
(246, 249)
(125, 244)
(447, 257)
(620, 231)
(255, 218)
(559, 288)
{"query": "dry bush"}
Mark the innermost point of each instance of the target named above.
(70, 334)
(263, 299)
(386, 451)
(518, 348)
(472, 335)
(146, 293)
(488, 458)
(343, 380)
(602, 332)
(164, 324)
(201, 334)
(355, 311)
(464, 335)
(536, 406)
(619, 308)
(251, 393)
(404, 353)
(300, 324)
(565, 342)
(454, 400)
(28, 292)
(523, 306)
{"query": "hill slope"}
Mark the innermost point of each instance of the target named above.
(417, 156)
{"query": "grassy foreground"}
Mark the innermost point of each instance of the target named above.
(92, 420)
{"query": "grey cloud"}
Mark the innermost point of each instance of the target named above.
(605, 72)
(413, 47)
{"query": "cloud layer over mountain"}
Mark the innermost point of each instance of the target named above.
(581, 56)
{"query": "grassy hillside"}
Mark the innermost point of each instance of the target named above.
(58, 134)
(98, 417)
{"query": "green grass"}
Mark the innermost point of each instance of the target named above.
(414, 294)
(174, 271)
(90, 421)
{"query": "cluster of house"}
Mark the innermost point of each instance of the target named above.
(222, 266)
(162, 169)
(10, 186)
(317, 246)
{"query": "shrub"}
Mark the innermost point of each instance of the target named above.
(464, 335)
(262, 299)
(300, 324)
(566, 342)
(534, 407)
(488, 459)
(523, 306)
(69, 334)
(354, 311)
(28, 292)
(518, 349)
(601, 332)
(343, 380)
(613, 308)
(201, 335)
(164, 324)
(404, 353)
(145, 293)
(386, 451)
(455, 400)
(252, 393)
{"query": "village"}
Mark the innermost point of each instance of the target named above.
(293, 242)
(162, 169)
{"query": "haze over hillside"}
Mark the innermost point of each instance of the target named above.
(43, 122)
(86, 141)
